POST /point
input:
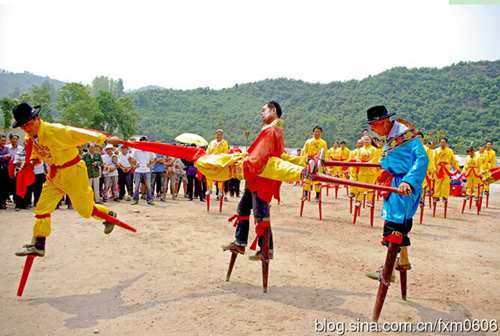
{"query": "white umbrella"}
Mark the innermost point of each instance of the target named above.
(190, 138)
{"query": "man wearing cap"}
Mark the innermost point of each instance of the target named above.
(218, 146)
(57, 145)
(403, 157)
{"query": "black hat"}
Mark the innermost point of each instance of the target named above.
(378, 112)
(24, 113)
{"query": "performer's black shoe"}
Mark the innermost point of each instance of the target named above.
(233, 247)
(108, 227)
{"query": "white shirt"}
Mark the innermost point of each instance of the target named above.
(143, 159)
(39, 168)
(123, 159)
(108, 162)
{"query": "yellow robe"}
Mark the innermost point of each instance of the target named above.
(215, 147)
(353, 172)
(366, 174)
(485, 164)
(57, 144)
(311, 148)
(446, 158)
(431, 169)
(472, 169)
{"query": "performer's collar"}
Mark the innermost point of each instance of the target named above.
(275, 123)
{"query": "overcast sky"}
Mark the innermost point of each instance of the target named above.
(217, 43)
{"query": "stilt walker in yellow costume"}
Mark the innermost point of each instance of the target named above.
(444, 160)
(56, 145)
(311, 148)
(217, 146)
(367, 153)
(472, 172)
(491, 157)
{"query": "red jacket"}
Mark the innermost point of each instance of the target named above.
(270, 142)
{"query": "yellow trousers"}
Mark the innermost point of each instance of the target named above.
(442, 187)
(472, 185)
(359, 192)
(72, 181)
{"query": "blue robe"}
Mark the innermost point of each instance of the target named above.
(408, 163)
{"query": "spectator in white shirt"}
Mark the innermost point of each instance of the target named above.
(143, 162)
(125, 174)
(110, 174)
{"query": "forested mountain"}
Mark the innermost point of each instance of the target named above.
(13, 84)
(461, 101)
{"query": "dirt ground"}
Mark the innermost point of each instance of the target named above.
(168, 279)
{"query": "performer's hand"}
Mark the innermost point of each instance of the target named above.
(114, 140)
(404, 188)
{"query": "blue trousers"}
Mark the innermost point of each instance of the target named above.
(250, 201)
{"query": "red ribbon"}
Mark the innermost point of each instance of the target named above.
(55, 168)
(237, 218)
(181, 152)
(42, 216)
(260, 228)
(395, 238)
(26, 175)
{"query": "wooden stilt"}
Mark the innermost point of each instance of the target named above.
(357, 210)
(208, 202)
(403, 280)
(463, 205)
(445, 208)
(337, 191)
(350, 204)
(422, 206)
(231, 265)
(320, 208)
(364, 199)
(265, 259)
(434, 205)
(302, 206)
(470, 201)
(487, 199)
(221, 201)
(26, 272)
(372, 210)
(392, 253)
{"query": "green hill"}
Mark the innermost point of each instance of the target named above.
(461, 99)
(12, 84)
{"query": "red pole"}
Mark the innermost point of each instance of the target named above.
(26, 272)
(333, 163)
(265, 259)
(331, 179)
(319, 205)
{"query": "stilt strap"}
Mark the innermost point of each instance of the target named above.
(110, 219)
(260, 228)
(237, 218)
(395, 237)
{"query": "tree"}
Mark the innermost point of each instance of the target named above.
(7, 105)
(76, 105)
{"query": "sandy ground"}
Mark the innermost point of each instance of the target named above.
(169, 277)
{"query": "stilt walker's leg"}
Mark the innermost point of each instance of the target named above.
(26, 272)
(403, 278)
(265, 259)
(392, 253)
(231, 265)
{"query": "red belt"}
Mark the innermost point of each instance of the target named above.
(55, 168)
